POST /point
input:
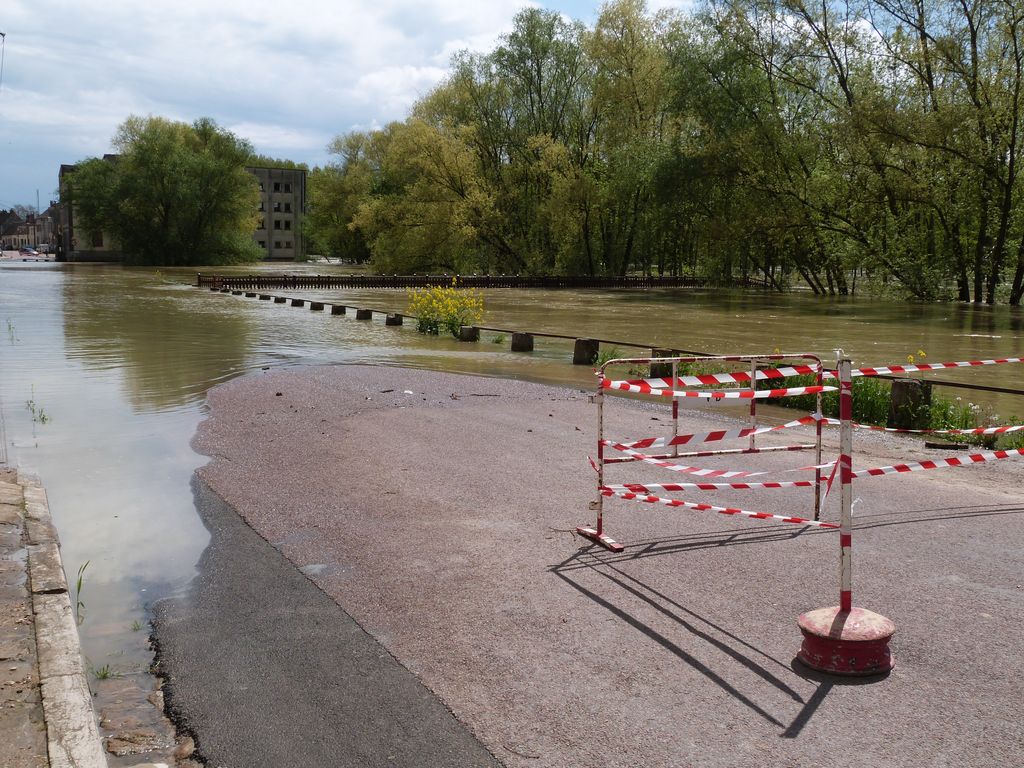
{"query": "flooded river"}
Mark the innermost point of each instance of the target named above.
(104, 370)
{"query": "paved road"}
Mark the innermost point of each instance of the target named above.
(266, 670)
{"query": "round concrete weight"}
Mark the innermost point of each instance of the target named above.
(854, 643)
(469, 333)
(394, 319)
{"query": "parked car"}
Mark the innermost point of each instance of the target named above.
(43, 247)
(28, 250)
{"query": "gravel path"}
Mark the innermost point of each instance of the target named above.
(437, 511)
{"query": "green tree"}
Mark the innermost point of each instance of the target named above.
(176, 194)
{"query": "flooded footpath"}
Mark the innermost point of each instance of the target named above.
(104, 372)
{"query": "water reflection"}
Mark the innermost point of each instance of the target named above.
(168, 346)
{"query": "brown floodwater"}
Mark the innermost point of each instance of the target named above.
(104, 371)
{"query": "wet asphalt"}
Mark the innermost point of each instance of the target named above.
(269, 671)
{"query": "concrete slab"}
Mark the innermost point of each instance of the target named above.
(45, 568)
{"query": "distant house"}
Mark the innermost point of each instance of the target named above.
(278, 231)
(35, 229)
(282, 205)
(75, 242)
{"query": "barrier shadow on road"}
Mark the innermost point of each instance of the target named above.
(738, 650)
(675, 545)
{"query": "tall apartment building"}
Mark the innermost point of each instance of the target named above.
(278, 231)
(282, 204)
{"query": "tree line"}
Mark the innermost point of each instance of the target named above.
(811, 143)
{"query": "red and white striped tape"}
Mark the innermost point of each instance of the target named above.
(953, 461)
(712, 508)
(685, 469)
(640, 387)
(930, 367)
(659, 487)
(708, 437)
(710, 379)
(975, 431)
(740, 377)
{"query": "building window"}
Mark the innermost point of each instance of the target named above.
(261, 186)
(277, 186)
(277, 207)
(287, 223)
(277, 243)
(277, 223)
(287, 207)
(287, 187)
(261, 206)
(261, 243)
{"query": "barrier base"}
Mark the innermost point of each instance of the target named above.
(603, 539)
(854, 642)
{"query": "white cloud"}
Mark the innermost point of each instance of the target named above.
(287, 76)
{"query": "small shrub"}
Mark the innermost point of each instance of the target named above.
(445, 308)
(498, 338)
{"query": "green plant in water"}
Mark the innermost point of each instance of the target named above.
(136, 625)
(10, 331)
(445, 308)
(39, 415)
(604, 355)
(105, 672)
(79, 605)
(498, 338)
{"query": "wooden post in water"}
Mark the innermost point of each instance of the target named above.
(909, 403)
(522, 342)
(364, 314)
(585, 351)
(393, 319)
(337, 309)
(469, 333)
(661, 370)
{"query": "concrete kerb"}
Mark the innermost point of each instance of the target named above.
(73, 737)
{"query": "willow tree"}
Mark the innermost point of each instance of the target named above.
(175, 194)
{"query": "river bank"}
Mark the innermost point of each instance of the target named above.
(437, 511)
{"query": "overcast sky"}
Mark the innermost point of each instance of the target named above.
(287, 76)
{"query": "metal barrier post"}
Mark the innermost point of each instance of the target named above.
(844, 640)
(675, 408)
(597, 534)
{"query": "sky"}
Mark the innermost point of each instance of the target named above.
(287, 76)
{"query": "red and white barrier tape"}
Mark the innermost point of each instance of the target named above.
(712, 508)
(682, 468)
(642, 388)
(975, 431)
(710, 379)
(930, 367)
(646, 386)
(708, 437)
(953, 461)
(658, 487)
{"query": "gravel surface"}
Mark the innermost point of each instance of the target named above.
(437, 510)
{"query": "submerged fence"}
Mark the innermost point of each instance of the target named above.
(259, 282)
